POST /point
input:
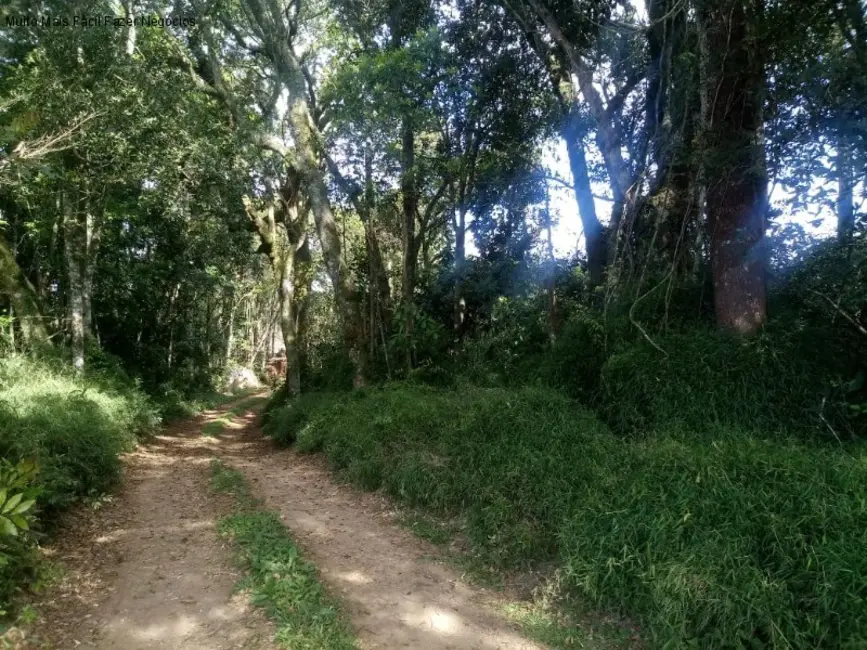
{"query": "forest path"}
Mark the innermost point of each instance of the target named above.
(148, 570)
(160, 578)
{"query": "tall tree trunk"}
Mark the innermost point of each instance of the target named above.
(845, 187)
(609, 139)
(289, 253)
(410, 255)
(277, 35)
(345, 291)
(732, 89)
(460, 304)
(23, 298)
(288, 323)
(381, 293)
(594, 234)
(93, 230)
(75, 243)
(664, 41)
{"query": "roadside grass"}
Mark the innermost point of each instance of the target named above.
(174, 406)
(278, 578)
(247, 405)
(214, 428)
(721, 538)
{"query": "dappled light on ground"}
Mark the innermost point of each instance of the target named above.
(149, 571)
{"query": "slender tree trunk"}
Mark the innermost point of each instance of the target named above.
(460, 304)
(75, 243)
(410, 206)
(845, 187)
(732, 90)
(173, 296)
(23, 298)
(92, 235)
(230, 336)
(129, 15)
(594, 235)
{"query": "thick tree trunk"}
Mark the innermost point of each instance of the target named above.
(23, 298)
(381, 289)
(277, 35)
(314, 185)
(288, 251)
(288, 322)
(732, 89)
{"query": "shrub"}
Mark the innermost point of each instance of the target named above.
(575, 361)
(721, 540)
(72, 430)
(785, 381)
(17, 497)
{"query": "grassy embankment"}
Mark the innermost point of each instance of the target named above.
(713, 537)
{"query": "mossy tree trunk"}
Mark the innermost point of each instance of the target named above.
(23, 299)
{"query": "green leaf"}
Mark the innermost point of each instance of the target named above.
(24, 506)
(14, 501)
(2, 496)
(20, 522)
(7, 527)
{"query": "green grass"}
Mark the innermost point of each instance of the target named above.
(278, 578)
(543, 623)
(789, 380)
(246, 405)
(430, 528)
(174, 405)
(214, 428)
(721, 540)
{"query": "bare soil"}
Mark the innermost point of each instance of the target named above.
(149, 571)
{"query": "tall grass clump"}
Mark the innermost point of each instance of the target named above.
(72, 430)
(723, 540)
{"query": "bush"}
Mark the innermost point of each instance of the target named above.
(783, 382)
(72, 430)
(723, 540)
(328, 367)
(508, 349)
(575, 361)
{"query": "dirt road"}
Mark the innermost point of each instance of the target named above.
(148, 570)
